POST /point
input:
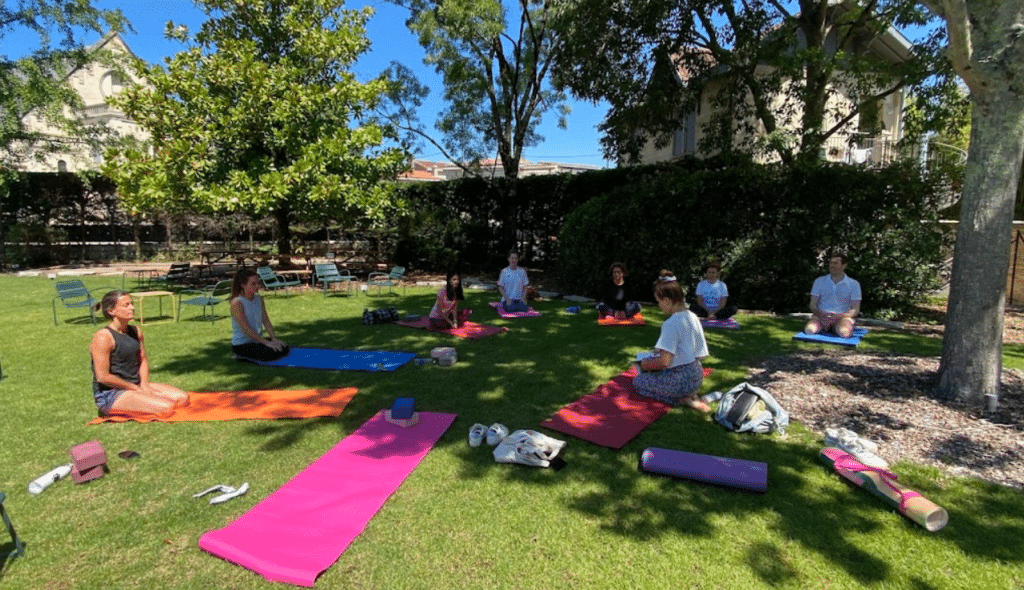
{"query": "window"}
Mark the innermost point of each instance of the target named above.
(62, 166)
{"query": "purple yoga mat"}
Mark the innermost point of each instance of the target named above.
(298, 531)
(724, 471)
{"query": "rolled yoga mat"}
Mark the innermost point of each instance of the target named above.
(723, 471)
(300, 530)
(882, 483)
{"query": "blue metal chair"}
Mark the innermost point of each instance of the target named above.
(19, 549)
(272, 281)
(204, 298)
(74, 294)
(389, 280)
(328, 274)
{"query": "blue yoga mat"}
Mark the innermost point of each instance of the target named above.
(853, 340)
(341, 360)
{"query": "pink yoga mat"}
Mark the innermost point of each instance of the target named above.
(466, 330)
(611, 415)
(298, 531)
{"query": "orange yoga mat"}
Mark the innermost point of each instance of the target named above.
(268, 404)
(608, 320)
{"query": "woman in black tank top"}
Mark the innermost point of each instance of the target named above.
(120, 370)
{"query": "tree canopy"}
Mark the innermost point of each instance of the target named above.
(495, 57)
(36, 82)
(776, 67)
(261, 114)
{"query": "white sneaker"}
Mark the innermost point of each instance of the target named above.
(854, 446)
(496, 433)
(834, 435)
(477, 433)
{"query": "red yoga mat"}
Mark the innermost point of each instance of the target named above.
(608, 320)
(610, 416)
(300, 530)
(269, 404)
(467, 330)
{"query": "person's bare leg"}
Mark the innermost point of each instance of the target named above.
(813, 326)
(844, 329)
(135, 401)
(177, 396)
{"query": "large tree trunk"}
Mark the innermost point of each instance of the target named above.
(987, 52)
(972, 346)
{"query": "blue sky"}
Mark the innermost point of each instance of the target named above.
(391, 41)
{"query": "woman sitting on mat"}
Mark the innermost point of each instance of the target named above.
(119, 366)
(673, 373)
(446, 314)
(617, 299)
(249, 319)
(713, 296)
(512, 283)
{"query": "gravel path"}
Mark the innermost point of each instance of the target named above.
(885, 397)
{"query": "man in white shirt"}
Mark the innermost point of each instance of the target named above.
(512, 282)
(835, 300)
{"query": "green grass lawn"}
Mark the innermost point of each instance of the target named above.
(460, 520)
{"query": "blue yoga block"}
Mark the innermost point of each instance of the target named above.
(403, 408)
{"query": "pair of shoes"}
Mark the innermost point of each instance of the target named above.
(478, 433)
(862, 449)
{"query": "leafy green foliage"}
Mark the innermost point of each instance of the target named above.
(771, 227)
(36, 82)
(780, 77)
(262, 114)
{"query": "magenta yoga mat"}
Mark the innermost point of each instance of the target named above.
(301, 529)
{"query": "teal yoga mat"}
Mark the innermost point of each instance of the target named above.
(340, 360)
(852, 341)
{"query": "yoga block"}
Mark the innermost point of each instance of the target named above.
(84, 475)
(440, 351)
(403, 422)
(403, 408)
(88, 455)
(724, 471)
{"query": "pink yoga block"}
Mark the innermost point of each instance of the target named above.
(403, 422)
(84, 475)
(88, 455)
(724, 471)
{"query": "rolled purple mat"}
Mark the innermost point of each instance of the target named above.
(724, 471)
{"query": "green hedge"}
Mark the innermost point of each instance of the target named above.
(770, 225)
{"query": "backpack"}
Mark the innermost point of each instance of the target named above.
(380, 316)
(746, 408)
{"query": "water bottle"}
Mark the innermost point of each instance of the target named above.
(714, 396)
(44, 481)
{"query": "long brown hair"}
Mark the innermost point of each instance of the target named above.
(110, 300)
(241, 277)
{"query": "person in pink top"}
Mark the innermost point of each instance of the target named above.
(446, 313)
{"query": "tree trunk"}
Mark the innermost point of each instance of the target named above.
(971, 362)
(282, 215)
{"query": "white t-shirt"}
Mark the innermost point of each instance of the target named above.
(514, 283)
(682, 336)
(712, 292)
(835, 297)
